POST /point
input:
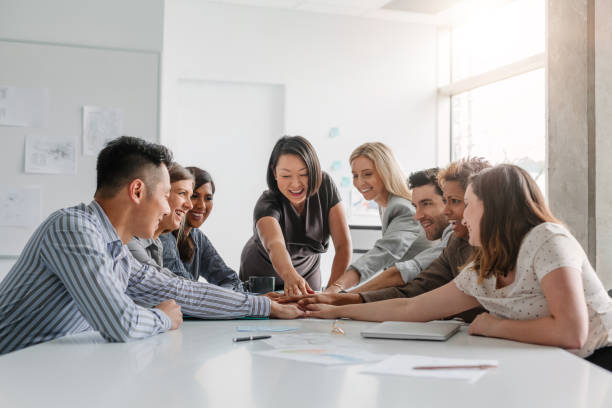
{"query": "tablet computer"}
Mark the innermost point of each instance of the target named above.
(439, 331)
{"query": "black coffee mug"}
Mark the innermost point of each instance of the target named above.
(261, 284)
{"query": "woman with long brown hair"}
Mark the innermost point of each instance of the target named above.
(528, 271)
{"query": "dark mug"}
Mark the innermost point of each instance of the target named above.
(261, 284)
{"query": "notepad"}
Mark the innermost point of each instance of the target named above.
(440, 331)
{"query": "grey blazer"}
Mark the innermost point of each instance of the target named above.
(402, 239)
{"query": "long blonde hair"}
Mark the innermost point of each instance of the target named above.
(386, 165)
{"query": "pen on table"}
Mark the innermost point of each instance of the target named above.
(249, 338)
(452, 367)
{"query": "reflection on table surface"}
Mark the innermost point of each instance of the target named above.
(199, 365)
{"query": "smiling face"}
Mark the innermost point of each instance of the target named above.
(180, 203)
(154, 205)
(429, 211)
(202, 201)
(474, 210)
(367, 180)
(291, 177)
(453, 195)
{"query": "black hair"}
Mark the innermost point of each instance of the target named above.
(301, 147)
(125, 159)
(183, 243)
(201, 177)
(424, 178)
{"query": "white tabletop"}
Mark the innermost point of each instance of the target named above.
(200, 366)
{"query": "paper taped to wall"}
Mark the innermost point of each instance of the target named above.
(49, 156)
(24, 106)
(100, 125)
(19, 206)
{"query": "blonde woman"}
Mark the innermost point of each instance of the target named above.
(378, 177)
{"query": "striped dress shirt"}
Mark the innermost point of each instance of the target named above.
(75, 274)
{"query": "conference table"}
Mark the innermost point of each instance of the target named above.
(200, 366)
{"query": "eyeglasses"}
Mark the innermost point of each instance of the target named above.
(337, 327)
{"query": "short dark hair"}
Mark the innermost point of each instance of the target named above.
(424, 178)
(301, 147)
(125, 159)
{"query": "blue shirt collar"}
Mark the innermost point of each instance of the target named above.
(108, 231)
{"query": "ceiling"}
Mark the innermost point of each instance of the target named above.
(437, 12)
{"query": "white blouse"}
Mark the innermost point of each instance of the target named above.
(545, 248)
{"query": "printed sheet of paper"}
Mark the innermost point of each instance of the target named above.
(100, 125)
(49, 156)
(24, 106)
(275, 329)
(19, 206)
(402, 364)
(305, 340)
(325, 356)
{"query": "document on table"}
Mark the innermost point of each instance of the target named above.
(403, 364)
(305, 340)
(325, 356)
(273, 329)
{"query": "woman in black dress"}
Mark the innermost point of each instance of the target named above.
(294, 219)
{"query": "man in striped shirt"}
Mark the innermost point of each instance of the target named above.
(76, 273)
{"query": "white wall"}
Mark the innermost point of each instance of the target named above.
(372, 79)
(73, 48)
(125, 24)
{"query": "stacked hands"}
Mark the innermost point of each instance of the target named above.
(332, 306)
(319, 305)
(322, 306)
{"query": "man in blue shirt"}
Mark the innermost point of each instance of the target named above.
(76, 273)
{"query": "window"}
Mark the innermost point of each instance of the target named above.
(496, 86)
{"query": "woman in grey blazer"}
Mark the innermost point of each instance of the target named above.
(378, 177)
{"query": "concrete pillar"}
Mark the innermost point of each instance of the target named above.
(603, 139)
(568, 115)
(579, 120)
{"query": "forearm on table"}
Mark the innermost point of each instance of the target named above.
(546, 331)
(392, 309)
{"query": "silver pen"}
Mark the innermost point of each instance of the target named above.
(249, 338)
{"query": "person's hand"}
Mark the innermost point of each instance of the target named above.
(333, 288)
(336, 299)
(295, 285)
(173, 311)
(322, 311)
(482, 325)
(273, 295)
(288, 311)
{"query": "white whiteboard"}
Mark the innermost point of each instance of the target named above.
(75, 76)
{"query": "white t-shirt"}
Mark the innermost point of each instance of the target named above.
(545, 248)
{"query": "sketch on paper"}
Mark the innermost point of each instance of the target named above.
(19, 206)
(23, 106)
(100, 125)
(49, 156)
